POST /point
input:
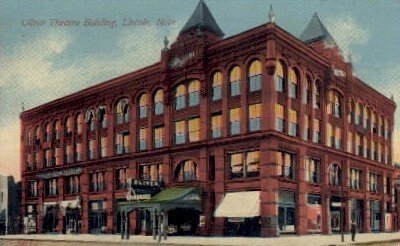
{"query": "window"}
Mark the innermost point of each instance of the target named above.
(180, 132)
(334, 175)
(255, 76)
(122, 143)
(358, 119)
(254, 117)
(374, 147)
(365, 144)
(386, 130)
(216, 86)
(307, 92)
(234, 120)
(292, 122)
(355, 179)
(194, 93)
(194, 130)
(317, 131)
(78, 152)
(152, 172)
(350, 142)
(338, 138)
(48, 158)
(97, 181)
(102, 114)
(47, 135)
(374, 128)
(186, 171)
(79, 124)
(68, 154)
(103, 147)
(374, 182)
(180, 97)
(330, 138)
(334, 104)
(122, 111)
(89, 119)
(292, 83)
(234, 78)
(91, 149)
(279, 118)
(69, 126)
(72, 184)
(159, 102)
(50, 187)
(286, 164)
(306, 129)
(313, 166)
(244, 164)
(358, 145)
(279, 78)
(38, 135)
(316, 95)
(56, 130)
(143, 102)
(158, 137)
(57, 156)
(143, 139)
(120, 179)
(216, 126)
(32, 190)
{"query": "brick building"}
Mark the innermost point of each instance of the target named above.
(260, 133)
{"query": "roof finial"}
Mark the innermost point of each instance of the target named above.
(271, 14)
(166, 42)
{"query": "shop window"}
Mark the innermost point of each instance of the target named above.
(159, 102)
(334, 175)
(97, 216)
(234, 121)
(217, 86)
(97, 181)
(244, 164)
(313, 167)
(293, 80)
(216, 126)
(286, 164)
(120, 179)
(255, 76)
(180, 132)
(151, 172)
(194, 93)
(254, 117)
(158, 137)
(143, 105)
(279, 118)
(234, 79)
(72, 184)
(279, 78)
(186, 171)
(122, 111)
(180, 97)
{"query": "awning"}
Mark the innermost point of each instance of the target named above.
(239, 205)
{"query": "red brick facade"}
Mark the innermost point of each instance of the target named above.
(198, 55)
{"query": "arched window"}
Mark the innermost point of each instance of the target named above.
(334, 175)
(316, 95)
(367, 118)
(255, 76)
(89, 119)
(293, 79)
(143, 102)
(159, 102)
(186, 171)
(374, 125)
(216, 86)
(194, 92)
(102, 117)
(38, 134)
(335, 104)
(122, 111)
(234, 79)
(79, 124)
(279, 77)
(307, 91)
(180, 97)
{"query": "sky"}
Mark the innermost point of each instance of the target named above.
(40, 63)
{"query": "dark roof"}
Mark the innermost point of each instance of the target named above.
(202, 18)
(316, 31)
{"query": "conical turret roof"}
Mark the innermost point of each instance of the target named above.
(316, 31)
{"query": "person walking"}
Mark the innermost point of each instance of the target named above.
(353, 230)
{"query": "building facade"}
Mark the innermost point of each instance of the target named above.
(10, 200)
(274, 133)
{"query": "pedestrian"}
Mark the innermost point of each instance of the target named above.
(353, 230)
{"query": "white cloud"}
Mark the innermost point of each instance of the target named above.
(347, 32)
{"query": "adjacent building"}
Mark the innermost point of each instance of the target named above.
(258, 134)
(10, 201)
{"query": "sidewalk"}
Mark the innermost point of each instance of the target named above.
(307, 240)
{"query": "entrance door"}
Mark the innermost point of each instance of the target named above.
(286, 219)
(50, 219)
(375, 221)
(335, 220)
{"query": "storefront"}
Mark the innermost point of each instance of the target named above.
(356, 207)
(30, 219)
(50, 218)
(71, 215)
(241, 211)
(286, 212)
(336, 213)
(375, 215)
(97, 216)
(314, 213)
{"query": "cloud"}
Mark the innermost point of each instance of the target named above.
(347, 33)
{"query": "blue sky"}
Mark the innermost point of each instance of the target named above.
(40, 64)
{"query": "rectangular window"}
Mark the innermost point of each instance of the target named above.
(358, 145)
(286, 164)
(97, 181)
(329, 136)
(143, 111)
(313, 166)
(158, 108)
(316, 96)
(350, 142)
(216, 92)
(293, 89)
(279, 84)
(338, 138)
(374, 182)
(317, 131)
(216, 126)
(355, 179)
(194, 130)
(32, 190)
(120, 179)
(234, 120)
(254, 117)
(235, 88)
(279, 118)
(50, 187)
(180, 132)
(292, 122)
(91, 150)
(152, 172)
(180, 102)
(158, 137)
(122, 143)
(306, 129)
(68, 154)
(78, 152)
(194, 98)
(143, 139)
(244, 164)
(255, 83)
(72, 184)
(103, 147)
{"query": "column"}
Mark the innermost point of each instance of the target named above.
(269, 190)
(109, 178)
(219, 187)
(268, 93)
(366, 214)
(301, 203)
(40, 212)
(384, 201)
(84, 181)
(326, 208)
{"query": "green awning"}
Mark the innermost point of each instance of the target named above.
(172, 194)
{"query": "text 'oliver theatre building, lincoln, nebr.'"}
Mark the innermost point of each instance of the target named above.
(257, 134)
